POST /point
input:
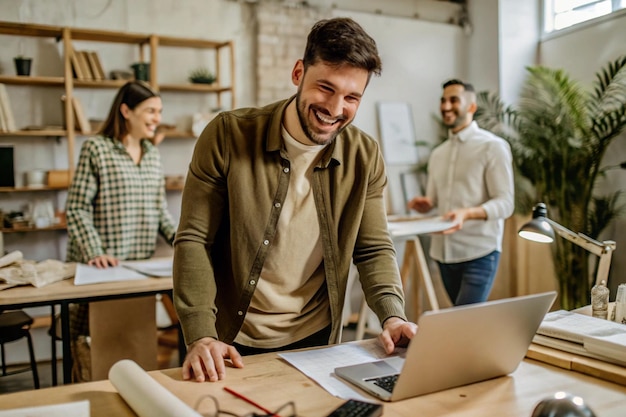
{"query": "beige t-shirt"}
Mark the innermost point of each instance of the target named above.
(291, 299)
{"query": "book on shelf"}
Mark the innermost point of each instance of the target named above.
(76, 65)
(7, 121)
(82, 122)
(83, 58)
(95, 65)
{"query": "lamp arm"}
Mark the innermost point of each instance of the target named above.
(594, 246)
(604, 250)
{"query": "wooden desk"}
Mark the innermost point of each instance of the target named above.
(64, 293)
(270, 381)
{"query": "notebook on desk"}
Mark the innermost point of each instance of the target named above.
(456, 346)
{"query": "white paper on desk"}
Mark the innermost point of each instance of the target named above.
(73, 409)
(144, 395)
(158, 268)
(320, 364)
(86, 274)
(419, 226)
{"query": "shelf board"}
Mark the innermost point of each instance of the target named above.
(178, 134)
(33, 229)
(35, 133)
(200, 88)
(32, 80)
(189, 43)
(108, 36)
(29, 189)
(28, 29)
(99, 83)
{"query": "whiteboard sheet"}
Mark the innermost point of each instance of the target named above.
(86, 274)
(419, 226)
(320, 364)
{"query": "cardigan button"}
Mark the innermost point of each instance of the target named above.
(285, 170)
(277, 205)
(252, 282)
(240, 313)
(266, 242)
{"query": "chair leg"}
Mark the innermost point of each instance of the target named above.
(4, 360)
(33, 362)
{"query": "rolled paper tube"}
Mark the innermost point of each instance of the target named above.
(144, 395)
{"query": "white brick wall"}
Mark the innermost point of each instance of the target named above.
(281, 39)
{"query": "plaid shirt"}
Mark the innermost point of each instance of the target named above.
(115, 206)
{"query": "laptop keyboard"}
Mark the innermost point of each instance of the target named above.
(385, 382)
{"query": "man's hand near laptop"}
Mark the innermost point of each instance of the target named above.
(206, 357)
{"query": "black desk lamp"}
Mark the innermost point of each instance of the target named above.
(541, 229)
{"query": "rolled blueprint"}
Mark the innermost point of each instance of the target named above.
(144, 395)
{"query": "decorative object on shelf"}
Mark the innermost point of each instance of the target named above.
(7, 173)
(200, 120)
(141, 71)
(121, 75)
(619, 312)
(559, 134)
(174, 182)
(59, 178)
(600, 301)
(36, 178)
(7, 121)
(22, 65)
(202, 75)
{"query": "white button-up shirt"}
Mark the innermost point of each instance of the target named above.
(472, 168)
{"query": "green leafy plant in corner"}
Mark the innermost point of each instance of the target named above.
(202, 76)
(558, 134)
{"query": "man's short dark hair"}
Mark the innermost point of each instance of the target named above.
(341, 41)
(467, 86)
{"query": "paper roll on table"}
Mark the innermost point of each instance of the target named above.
(144, 395)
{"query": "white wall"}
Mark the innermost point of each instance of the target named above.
(582, 52)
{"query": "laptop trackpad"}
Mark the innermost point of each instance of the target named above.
(388, 366)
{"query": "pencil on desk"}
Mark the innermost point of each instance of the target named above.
(249, 401)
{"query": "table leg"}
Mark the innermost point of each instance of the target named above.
(67, 343)
(53, 345)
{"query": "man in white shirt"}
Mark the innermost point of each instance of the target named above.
(470, 181)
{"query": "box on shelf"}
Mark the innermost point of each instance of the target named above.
(59, 178)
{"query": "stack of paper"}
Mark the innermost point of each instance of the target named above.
(583, 335)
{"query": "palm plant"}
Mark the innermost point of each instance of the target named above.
(559, 134)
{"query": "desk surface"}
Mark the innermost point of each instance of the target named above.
(270, 381)
(65, 290)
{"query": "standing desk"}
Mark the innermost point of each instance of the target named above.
(414, 268)
(64, 293)
(271, 381)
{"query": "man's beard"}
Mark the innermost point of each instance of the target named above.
(308, 130)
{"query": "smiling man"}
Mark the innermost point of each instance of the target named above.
(470, 181)
(279, 201)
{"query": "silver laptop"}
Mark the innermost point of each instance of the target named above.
(456, 346)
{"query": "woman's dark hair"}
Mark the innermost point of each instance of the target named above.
(341, 41)
(132, 94)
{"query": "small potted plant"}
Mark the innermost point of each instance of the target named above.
(201, 76)
(22, 65)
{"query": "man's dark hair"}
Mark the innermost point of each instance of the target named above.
(467, 86)
(341, 41)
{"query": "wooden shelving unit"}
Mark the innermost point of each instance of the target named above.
(149, 47)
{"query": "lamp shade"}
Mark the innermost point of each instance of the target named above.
(538, 229)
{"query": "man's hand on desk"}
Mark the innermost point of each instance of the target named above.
(396, 332)
(205, 360)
